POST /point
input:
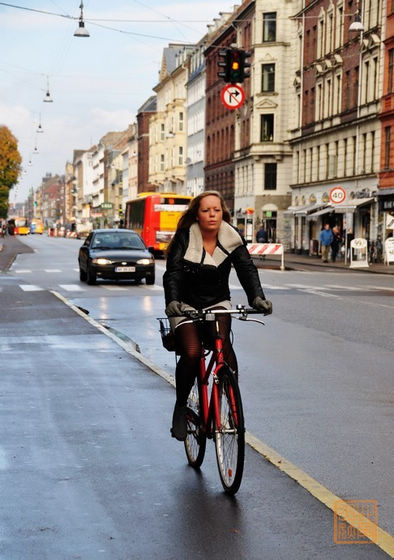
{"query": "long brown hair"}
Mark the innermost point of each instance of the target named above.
(189, 217)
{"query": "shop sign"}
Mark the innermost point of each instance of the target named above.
(389, 250)
(337, 195)
(386, 203)
(106, 206)
(390, 221)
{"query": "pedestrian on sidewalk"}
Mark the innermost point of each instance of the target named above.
(262, 235)
(326, 238)
(336, 243)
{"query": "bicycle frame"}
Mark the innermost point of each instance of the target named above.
(210, 404)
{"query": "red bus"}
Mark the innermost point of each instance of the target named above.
(155, 217)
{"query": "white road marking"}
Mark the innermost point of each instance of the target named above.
(115, 288)
(71, 287)
(383, 288)
(22, 271)
(52, 270)
(271, 287)
(350, 288)
(30, 288)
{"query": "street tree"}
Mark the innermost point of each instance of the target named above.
(10, 166)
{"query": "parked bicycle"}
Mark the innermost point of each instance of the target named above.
(214, 404)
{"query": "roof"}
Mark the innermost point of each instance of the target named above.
(149, 106)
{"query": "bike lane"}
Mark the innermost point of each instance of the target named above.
(89, 470)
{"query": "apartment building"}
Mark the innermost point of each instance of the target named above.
(386, 175)
(336, 143)
(167, 127)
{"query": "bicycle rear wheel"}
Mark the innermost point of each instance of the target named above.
(230, 435)
(196, 438)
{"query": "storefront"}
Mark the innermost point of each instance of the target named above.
(386, 212)
(355, 213)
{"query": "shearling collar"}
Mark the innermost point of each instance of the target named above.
(228, 240)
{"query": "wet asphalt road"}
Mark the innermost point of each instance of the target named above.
(89, 470)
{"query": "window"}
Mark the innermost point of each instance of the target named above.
(162, 132)
(269, 27)
(180, 155)
(372, 151)
(270, 176)
(348, 90)
(180, 121)
(267, 128)
(364, 154)
(354, 167)
(390, 87)
(345, 157)
(366, 91)
(268, 77)
(387, 143)
(161, 162)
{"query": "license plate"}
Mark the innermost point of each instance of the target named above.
(125, 269)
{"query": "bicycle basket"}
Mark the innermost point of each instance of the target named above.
(167, 335)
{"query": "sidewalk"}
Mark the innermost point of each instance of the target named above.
(298, 262)
(10, 246)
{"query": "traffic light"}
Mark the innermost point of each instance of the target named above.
(224, 53)
(234, 65)
(245, 64)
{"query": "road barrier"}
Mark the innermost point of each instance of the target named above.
(263, 249)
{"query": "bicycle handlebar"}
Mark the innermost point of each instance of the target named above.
(242, 310)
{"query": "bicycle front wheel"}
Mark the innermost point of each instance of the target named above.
(196, 438)
(230, 434)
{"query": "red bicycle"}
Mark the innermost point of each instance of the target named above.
(215, 405)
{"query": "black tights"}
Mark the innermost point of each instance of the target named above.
(188, 339)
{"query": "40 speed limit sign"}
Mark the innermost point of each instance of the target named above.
(337, 195)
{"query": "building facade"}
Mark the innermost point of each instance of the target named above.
(336, 144)
(386, 175)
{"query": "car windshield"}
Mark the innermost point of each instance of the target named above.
(117, 240)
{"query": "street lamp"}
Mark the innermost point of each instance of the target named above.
(81, 31)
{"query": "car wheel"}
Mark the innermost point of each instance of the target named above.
(91, 276)
(150, 280)
(82, 275)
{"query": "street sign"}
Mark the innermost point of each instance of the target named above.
(232, 96)
(337, 195)
(106, 205)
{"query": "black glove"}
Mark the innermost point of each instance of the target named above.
(174, 308)
(263, 305)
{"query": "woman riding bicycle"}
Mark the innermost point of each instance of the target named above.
(199, 261)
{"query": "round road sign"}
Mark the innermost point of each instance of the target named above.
(337, 195)
(232, 96)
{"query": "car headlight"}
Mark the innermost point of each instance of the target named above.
(101, 261)
(145, 261)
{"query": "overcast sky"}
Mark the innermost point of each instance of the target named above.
(97, 83)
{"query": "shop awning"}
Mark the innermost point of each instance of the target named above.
(351, 206)
(315, 215)
(305, 210)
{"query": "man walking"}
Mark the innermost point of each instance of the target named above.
(326, 237)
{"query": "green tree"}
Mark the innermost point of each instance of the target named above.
(10, 167)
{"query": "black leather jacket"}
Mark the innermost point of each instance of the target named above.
(202, 285)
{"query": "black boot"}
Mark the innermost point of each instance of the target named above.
(179, 424)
